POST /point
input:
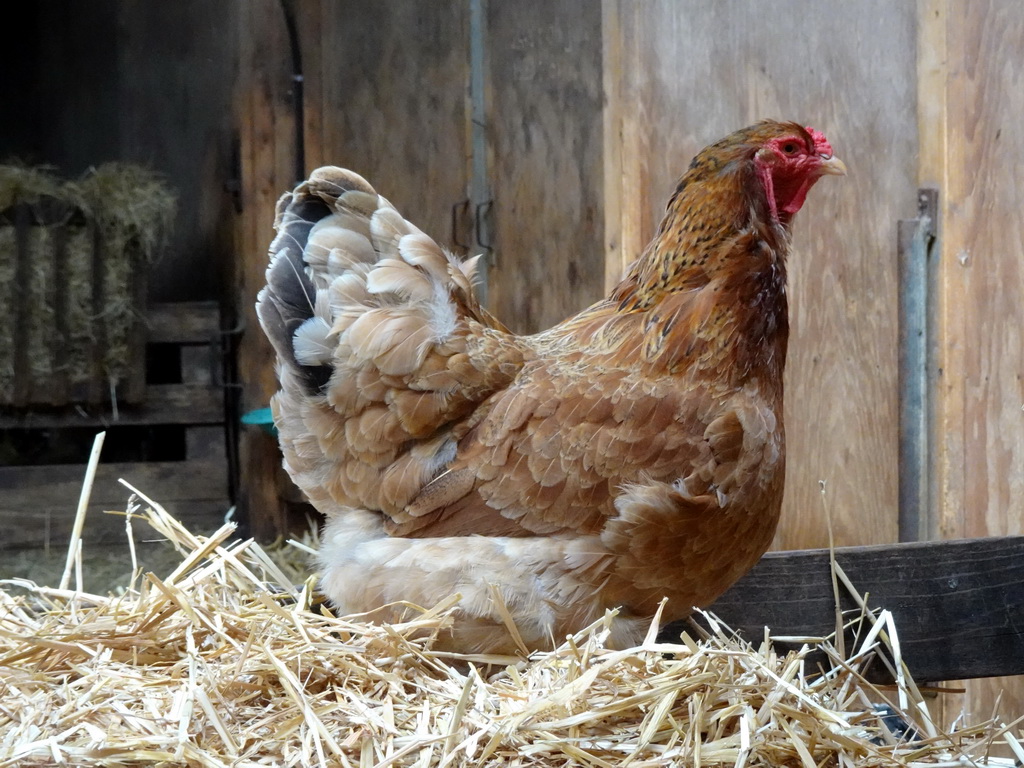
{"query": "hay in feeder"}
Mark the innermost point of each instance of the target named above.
(227, 661)
(23, 183)
(81, 260)
(20, 184)
(133, 210)
(79, 245)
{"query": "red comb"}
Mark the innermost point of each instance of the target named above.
(821, 145)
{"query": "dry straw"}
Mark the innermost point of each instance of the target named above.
(228, 661)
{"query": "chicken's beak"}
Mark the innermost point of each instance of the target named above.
(832, 166)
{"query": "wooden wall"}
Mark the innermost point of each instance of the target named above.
(545, 155)
(972, 149)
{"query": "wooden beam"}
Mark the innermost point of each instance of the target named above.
(37, 506)
(185, 322)
(958, 605)
(266, 124)
(164, 404)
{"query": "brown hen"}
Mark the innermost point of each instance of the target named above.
(633, 452)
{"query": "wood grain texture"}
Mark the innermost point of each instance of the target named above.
(971, 82)
(696, 71)
(186, 322)
(545, 129)
(391, 102)
(266, 125)
(955, 604)
(164, 404)
(173, 88)
(38, 504)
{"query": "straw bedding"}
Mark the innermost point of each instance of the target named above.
(229, 661)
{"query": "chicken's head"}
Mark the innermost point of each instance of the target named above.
(788, 163)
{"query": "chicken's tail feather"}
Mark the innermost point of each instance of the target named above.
(382, 347)
(344, 260)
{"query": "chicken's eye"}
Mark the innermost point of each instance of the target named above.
(789, 147)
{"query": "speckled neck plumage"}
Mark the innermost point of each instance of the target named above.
(713, 280)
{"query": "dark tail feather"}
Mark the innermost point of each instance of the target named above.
(287, 301)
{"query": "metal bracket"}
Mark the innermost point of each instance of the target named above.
(483, 224)
(916, 240)
(460, 211)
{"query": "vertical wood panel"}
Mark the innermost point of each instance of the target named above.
(267, 143)
(697, 71)
(393, 105)
(547, 168)
(384, 94)
(174, 94)
(314, 43)
(977, 152)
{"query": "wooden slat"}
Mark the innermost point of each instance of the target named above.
(38, 503)
(165, 404)
(546, 134)
(393, 102)
(266, 122)
(958, 605)
(969, 109)
(170, 90)
(185, 322)
(617, 255)
(48, 527)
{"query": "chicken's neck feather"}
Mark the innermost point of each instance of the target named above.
(708, 295)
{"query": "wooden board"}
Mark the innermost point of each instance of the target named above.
(970, 108)
(164, 404)
(184, 322)
(957, 605)
(695, 71)
(38, 504)
(266, 124)
(388, 101)
(546, 142)
(176, 63)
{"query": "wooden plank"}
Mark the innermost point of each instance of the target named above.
(182, 322)
(969, 108)
(393, 89)
(175, 71)
(958, 605)
(266, 124)
(59, 484)
(38, 503)
(617, 257)
(314, 42)
(545, 101)
(50, 528)
(165, 404)
(695, 71)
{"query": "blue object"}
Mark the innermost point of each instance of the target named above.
(262, 418)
